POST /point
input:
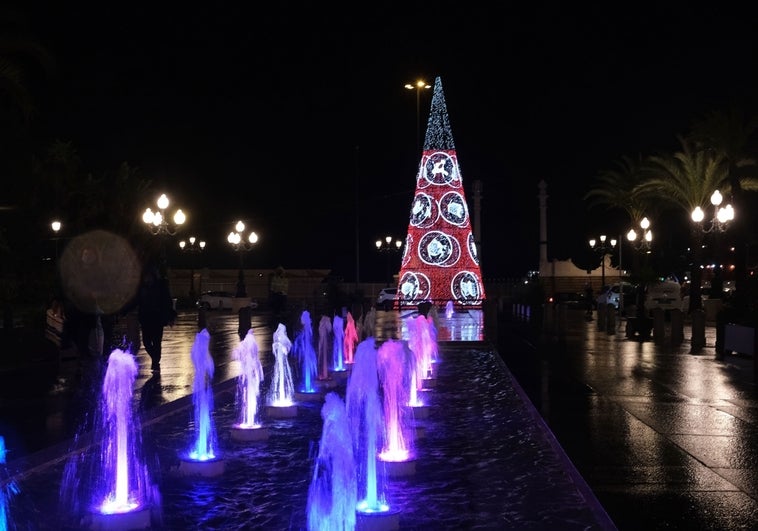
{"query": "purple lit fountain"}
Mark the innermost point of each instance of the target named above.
(332, 492)
(423, 342)
(202, 459)
(305, 354)
(114, 482)
(393, 360)
(281, 403)
(324, 352)
(338, 356)
(7, 490)
(364, 409)
(248, 390)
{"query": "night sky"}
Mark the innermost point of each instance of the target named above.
(295, 118)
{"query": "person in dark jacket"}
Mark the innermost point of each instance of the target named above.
(155, 311)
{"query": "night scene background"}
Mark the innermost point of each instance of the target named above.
(294, 117)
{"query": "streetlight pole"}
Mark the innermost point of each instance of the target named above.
(602, 247)
(159, 226)
(641, 242)
(56, 227)
(387, 246)
(241, 245)
(193, 248)
(418, 86)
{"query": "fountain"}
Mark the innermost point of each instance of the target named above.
(7, 490)
(422, 340)
(338, 357)
(281, 393)
(332, 491)
(305, 354)
(364, 410)
(369, 324)
(115, 481)
(324, 352)
(393, 359)
(202, 459)
(449, 310)
(351, 338)
(248, 390)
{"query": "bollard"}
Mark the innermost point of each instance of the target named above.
(698, 331)
(601, 315)
(659, 326)
(677, 326)
(610, 325)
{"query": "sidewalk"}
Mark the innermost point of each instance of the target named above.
(666, 439)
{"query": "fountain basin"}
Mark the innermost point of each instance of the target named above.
(259, 433)
(327, 383)
(378, 521)
(339, 376)
(137, 519)
(397, 469)
(420, 412)
(282, 412)
(209, 468)
(429, 383)
(315, 396)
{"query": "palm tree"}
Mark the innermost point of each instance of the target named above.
(686, 180)
(616, 189)
(730, 133)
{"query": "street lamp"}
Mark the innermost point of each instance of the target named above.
(156, 221)
(721, 215)
(241, 245)
(603, 247)
(644, 242)
(56, 227)
(387, 246)
(418, 86)
(193, 248)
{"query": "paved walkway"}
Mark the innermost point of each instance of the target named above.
(666, 439)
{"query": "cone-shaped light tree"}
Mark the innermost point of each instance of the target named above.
(440, 261)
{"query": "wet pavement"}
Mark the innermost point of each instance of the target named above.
(666, 439)
(646, 435)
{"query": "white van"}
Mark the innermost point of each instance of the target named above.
(666, 294)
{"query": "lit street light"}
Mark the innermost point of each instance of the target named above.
(241, 245)
(387, 246)
(56, 227)
(647, 236)
(194, 247)
(604, 246)
(159, 226)
(418, 87)
(721, 215)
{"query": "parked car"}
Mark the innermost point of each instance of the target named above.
(612, 295)
(666, 294)
(570, 299)
(219, 300)
(387, 298)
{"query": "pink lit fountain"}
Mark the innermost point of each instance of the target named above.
(393, 360)
(423, 342)
(351, 339)
(202, 459)
(248, 390)
(305, 354)
(116, 479)
(281, 393)
(364, 409)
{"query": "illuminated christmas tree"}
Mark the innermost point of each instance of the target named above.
(440, 261)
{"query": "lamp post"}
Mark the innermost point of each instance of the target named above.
(159, 225)
(418, 86)
(389, 247)
(641, 242)
(56, 228)
(193, 247)
(241, 244)
(603, 246)
(722, 216)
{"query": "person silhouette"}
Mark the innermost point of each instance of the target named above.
(155, 311)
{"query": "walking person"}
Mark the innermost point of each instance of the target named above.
(155, 311)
